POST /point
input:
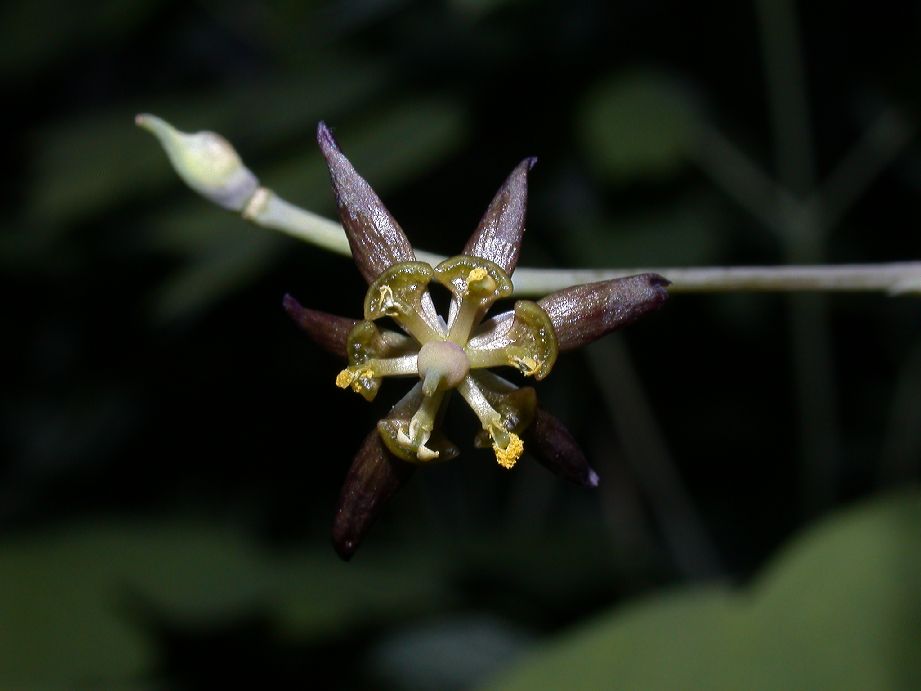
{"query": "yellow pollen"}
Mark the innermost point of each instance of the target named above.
(343, 379)
(508, 456)
(477, 274)
(351, 377)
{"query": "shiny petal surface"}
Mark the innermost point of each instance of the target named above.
(498, 236)
(525, 339)
(376, 239)
(548, 440)
(374, 477)
(585, 313)
(327, 330)
(401, 292)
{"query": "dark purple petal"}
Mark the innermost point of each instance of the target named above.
(584, 313)
(498, 237)
(376, 239)
(548, 440)
(374, 477)
(327, 330)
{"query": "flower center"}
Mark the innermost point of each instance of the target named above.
(442, 365)
(454, 354)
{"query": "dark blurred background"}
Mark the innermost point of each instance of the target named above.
(172, 446)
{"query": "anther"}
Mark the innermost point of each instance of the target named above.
(479, 281)
(352, 377)
(508, 454)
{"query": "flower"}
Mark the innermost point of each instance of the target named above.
(454, 353)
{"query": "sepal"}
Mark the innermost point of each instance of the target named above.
(585, 313)
(327, 330)
(376, 239)
(555, 448)
(373, 478)
(498, 236)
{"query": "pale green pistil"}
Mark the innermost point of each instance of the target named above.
(442, 365)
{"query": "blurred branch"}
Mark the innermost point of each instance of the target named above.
(738, 176)
(787, 94)
(631, 414)
(862, 165)
(809, 210)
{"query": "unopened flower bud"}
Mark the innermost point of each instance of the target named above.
(206, 162)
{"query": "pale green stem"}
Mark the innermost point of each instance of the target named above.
(277, 214)
(194, 156)
(893, 278)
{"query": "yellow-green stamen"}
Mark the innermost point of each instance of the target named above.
(507, 446)
(476, 284)
(528, 343)
(399, 293)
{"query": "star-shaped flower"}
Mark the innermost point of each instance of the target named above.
(454, 353)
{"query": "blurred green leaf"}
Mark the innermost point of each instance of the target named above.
(637, 125)
(72, 599)
(448, 654)
(840, 609)
(63, 621)
(68, 597)
(338, 596)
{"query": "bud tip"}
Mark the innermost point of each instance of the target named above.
(325, 137)
(592, 479)
(205, 161)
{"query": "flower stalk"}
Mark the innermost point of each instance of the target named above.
(266, 209)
